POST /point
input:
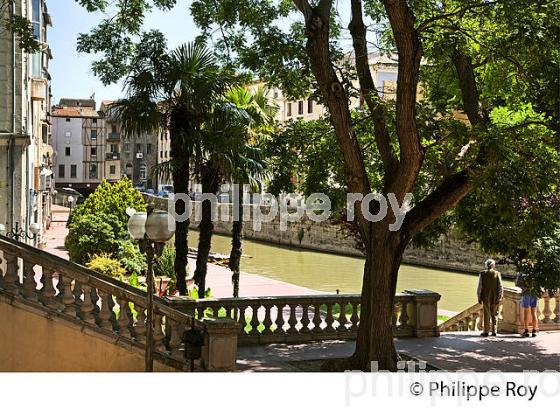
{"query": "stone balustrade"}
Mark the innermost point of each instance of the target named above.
(548, 311)
(290, 319)
(509, 318)
(86, 298)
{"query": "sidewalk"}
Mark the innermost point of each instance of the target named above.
(453, 351)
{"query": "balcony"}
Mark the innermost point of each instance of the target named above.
(114, 136)
(112, 155)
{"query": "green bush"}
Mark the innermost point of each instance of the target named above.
(166, 266)
(131, 258)
(92, 234)
(111, 199)
(106, 265)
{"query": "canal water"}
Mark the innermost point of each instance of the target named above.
(328, 272)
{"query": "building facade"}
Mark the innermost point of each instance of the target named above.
(80, 142)
(26, 154)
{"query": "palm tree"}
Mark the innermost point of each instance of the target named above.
(175, 91)
(249, 167)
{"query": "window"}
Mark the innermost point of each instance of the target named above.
(73, 171)
(126, 146)
(67, 119)
(138, 147)
(68, 134)
(36, 65)
(161, 154)
(94, 135)
(36, 18)
(143, 172)
(114, 148)
(148, 148)
(95, 120)
(310, 106)
(93, 151)
(113, 129)
(276, 93)
(300, 107)
(112, 170)
(289, 110)
(67, 151)
(61, 171)
(93, 171)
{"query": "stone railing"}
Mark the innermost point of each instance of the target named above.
(468, 320)
(509, 318)
(35, 278)
(548, 311)
(290, 319)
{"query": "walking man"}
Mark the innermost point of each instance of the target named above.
(490, 293)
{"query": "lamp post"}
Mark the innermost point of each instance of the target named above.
(19, 234)
(151, 230)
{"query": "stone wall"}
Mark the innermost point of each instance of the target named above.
(450, 253)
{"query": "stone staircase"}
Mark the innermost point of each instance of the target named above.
(51, 308)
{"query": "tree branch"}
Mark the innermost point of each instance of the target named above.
(410, 53)
(469, 89)
(369, 91)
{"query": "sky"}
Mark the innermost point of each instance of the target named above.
(71, 72)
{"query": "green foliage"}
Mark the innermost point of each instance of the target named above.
(100, 223)
(542, 271)
(131, 258)
(165, 266)
(105, 264)
(92, 234)
(111, 199)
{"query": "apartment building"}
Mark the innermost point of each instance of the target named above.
(80, 142)
(384, 71)
(26, 154)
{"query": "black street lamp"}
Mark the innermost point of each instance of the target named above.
(152, 230)
(20, 234)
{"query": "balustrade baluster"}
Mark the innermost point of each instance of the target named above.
(267, 322)
(106, 311)
(317, 320)
(176, 330)
(292, 321)
(140, 325)
(124, 321)
(67, 299)
(355, 318)
(10, 281)
(254, 320)
(329, 318)
(86, 307)
(547, 312)
(158, 333)
(94, 300)
(403, 319)
(342, 320)
(395, 317)
(77, 291)
(557, 307)
(242, 319)
(48, 291)
(279, 319)
(29, 284)
(305, 321)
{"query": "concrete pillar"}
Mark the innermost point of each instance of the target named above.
(219, 353)
(425, 312)
(511, 320)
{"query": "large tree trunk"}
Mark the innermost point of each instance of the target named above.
(383, 260)
(180, 176)
(210, 183)
(237, 241)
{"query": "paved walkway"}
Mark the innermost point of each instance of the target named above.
(453, 351)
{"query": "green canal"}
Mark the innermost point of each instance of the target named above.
(329, 272)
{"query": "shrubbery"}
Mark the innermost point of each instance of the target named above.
(99, 226)
(106, 265)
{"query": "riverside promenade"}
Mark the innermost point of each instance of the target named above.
(453, 351)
